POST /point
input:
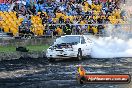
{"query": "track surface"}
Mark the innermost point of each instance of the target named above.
(39, 73)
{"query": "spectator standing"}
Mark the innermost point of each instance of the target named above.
(67, 29)
(31, 9)
(23, 10)
(16, 7)
(61, 20)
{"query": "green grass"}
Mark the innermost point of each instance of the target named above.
(37, 47)
(31, 48)
(7, 49)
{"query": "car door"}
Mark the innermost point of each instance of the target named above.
(83, 46)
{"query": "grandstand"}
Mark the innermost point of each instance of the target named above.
(58, 17)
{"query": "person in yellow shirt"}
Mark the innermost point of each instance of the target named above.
(82, 74)
(82, 22)
(59, 30)
(93, 6)
(95, 30)
(98, 7)
(81, 71)
(117, 13)
(85, 3)
(86, 6)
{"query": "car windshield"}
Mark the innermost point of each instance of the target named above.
(68, 39)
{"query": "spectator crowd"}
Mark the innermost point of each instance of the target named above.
(57, 17)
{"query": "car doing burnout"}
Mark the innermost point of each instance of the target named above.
(70, 46)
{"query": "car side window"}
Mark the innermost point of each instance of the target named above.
(82, 40)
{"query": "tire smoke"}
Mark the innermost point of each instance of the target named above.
(109, 47)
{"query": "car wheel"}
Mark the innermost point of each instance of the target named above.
(79, 55)
(51, 59)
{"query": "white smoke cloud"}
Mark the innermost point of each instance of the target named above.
(109, 47)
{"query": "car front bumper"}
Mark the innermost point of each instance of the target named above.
(61, 54)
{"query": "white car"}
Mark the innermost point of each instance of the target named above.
(70, 46)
